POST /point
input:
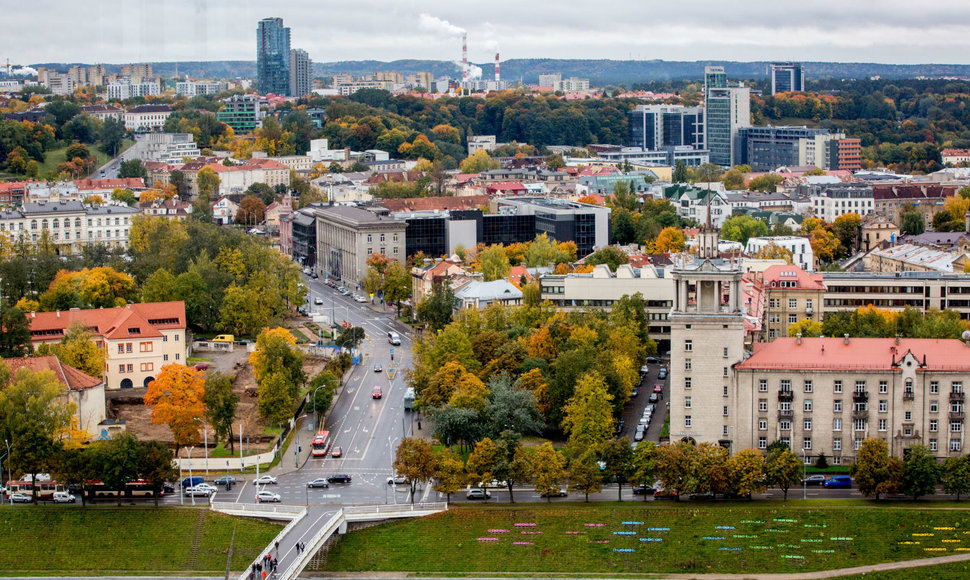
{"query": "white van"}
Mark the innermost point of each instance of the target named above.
(393, 338)
(63, 497)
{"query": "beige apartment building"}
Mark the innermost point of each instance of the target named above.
(921, 290)
(138, 339)
(347, 236)
(792, 295)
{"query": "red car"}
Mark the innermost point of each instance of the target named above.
(377, 393)
(201, 366)
(658, 388)
(337, 452)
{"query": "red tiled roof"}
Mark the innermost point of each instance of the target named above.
(121, 183)
(955, 153)
(789, 272)
(866, 354)
(68, 376)
(439, 203)
(505, 186)
(263, 164)
(110, 322)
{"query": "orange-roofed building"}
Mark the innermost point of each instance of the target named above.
(139, 339)
(85, 391)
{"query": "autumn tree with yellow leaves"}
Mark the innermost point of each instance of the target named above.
(176, 399)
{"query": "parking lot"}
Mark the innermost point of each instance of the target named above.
(634, 408)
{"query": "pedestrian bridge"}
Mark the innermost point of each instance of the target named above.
(314, 525)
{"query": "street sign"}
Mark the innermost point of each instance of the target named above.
(392, 351)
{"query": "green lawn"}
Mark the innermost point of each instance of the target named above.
(55, 156)
(64, 540)
(752, 538)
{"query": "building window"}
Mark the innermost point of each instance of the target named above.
(725, 352)
(933, 445)
(128, 347)
(784, 425)
(763, 405)
(837, 424)
(687, 402)
(771, 333)
(792, 318)
(860, 386)
(725, 412)
(837, 406)
(792, 303)
(857, 443)
(860, 425)
(689, 345)
(883, 387)
(370, 238)
(883, 406)
(762, 385)
(837, 444)
(687, 421)
(164, 357)
(934, 407)
(396, 251)
(808, 304)
(382, 237)
(686, 364)
(725, 373)
(762, 442)
(131, 368)
(934, 387)
(176, 337)
(724, 431)
(956, 427)
(908, 416)
(725, 390)
(176, 356)
(808, 405)
(762, 425)
(882, 424)
(954, 444)
(934, 426)
(786, 385)
(808, 386)
(147, 367)
(121, 349)
(837, 387)
(807, 444)
(956, 387)
(144, 347)
(807, 425)
(121, 368)
(786, 441)
(164, 338)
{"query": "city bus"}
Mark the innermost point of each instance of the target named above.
(320, 443)
(138, 488)
(45, 489)
(409, 399)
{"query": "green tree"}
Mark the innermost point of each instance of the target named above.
(645, 464)
(741, 228)
(707, 173)
(15, 335)
(610, 255)
(450, 474)
(510, 408)
(956, 475)
(157, 466)
(326, 382)
(681, 174)
(415, 461)
(767, 182)
(494, 263)
(747, 472)
(181, 184)
(437, 309)
(548, 470)
(913, 223)
(351, 337)
(733, 179)
(478, 162)
(220, 406)
(78, 350)
(132, 168)
(119, 461)
(588, 415)
(921, 472)
(677, 466)
(112, 135)
(618, 457)
(874, 471)
(514, 464)
(276, 351)
(275, 401)
(783, 469)
(75, 468)
(207, 182)
(847, 228)
(584, 474)
(482, 463)
(397, 284)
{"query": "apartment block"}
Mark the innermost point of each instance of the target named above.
(791, 296)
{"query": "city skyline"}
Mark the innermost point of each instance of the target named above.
(115, 32)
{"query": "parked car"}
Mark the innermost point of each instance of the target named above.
(662, 374)
(619, 426)
(638, 436)
(63, 497)
(664, 494)
(192, 481)
(20, 498)
(337, 452)
(654, 397)
(477, 493)
(208, 486)
(652, 360)
(634, 392)
(224, 480)
(265, 480)
(396, 480)
(561, 492)
(201, 366)
(658, 389)
(817, 479)
(644, 421)
(650, 408)
(644, 490)
(197, 491)
(377, 393)
(359, 298)
(644, 370)
(319, 482)
(267, 496)
(839, 481)
(339, 478)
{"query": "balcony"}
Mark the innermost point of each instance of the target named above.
(860, 396)
(785, 395)
(956, 397)
(909, 396)
(956, 415)
(856, 414)
(785, 413)
(809, 311)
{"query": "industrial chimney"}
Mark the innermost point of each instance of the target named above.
(498, 77)
(464, 57)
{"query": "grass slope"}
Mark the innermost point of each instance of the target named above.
(55, 156)
(62, 539)
(754, 538)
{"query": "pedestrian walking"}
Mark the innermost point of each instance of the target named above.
(277, 544)
(298, 548)
(264, 574)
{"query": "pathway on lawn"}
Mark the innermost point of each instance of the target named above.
(885, 566)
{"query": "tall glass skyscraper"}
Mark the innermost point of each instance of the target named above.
(727, 108)
(787, 76)
(273, 57)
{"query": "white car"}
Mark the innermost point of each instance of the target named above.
(396, 480)
(265, 480)
(208, 486)
(198, 491)
(265, 496)
(63, 497)
(359, 298)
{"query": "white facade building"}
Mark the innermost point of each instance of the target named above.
(799, 246)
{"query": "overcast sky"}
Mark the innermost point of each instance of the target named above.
(118, 31)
